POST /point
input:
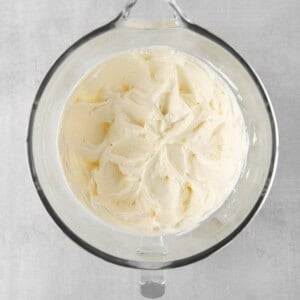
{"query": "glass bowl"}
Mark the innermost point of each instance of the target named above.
(138, 26)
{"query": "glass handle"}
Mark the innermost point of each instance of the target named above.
(152, 280)
(152, 283)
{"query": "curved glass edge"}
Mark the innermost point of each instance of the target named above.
(180, 262)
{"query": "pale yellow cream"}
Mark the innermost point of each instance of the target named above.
(152, 140)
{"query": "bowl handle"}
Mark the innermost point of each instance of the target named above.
(152, 283)
(152, 280)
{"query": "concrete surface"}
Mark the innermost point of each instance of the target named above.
(37, 261)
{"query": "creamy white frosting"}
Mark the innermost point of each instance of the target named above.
(152, 140)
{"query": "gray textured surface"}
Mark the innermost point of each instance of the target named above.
(37, 261)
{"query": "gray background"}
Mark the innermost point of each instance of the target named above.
(37, 261)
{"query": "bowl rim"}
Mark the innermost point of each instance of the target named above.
(183, 261)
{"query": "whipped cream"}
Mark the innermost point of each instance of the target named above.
(152, 140)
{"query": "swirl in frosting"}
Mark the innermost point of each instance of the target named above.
(152, 140)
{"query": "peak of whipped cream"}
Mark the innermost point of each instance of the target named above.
(152, 141)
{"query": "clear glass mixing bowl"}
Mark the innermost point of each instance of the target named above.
(138, 26)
